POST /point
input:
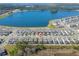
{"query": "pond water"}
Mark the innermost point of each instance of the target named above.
(34, 18)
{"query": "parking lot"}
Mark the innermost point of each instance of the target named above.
(40, 36)
(46, 32)
(46, 40)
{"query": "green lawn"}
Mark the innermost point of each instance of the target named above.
(51, 26)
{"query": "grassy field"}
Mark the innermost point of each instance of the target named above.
(52, 50)
(11, 49)
(59, 50)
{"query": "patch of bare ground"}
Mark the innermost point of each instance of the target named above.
(57, 52)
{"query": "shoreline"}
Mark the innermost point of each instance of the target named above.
(63, 18)
(21, 27)
(5, 14)
(8, 13)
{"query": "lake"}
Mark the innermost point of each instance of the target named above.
(34, 18)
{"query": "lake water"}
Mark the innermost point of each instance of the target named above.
(34, 18)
